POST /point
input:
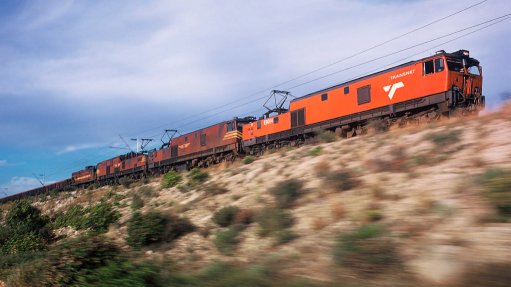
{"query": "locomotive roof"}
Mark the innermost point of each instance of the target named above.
(245, 119)
(458, 54)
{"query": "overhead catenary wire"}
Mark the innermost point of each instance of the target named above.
(500, 18)
(354, 66)
(426, 50)
(504, 17)
(324, 66)
(489, 23)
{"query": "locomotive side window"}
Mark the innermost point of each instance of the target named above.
(439, 65)
(230, 126)
(203, 140)
(258, 124)
(276, 120)
(324, 97)
(429, 68)
(173, 151)
(364, 95)
(346, 90)
(186, 139)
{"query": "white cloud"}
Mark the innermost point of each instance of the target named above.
(119, 61)
(174, 52)
(19, 183)
(73, 148)
(42, 13)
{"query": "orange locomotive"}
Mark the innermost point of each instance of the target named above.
(200, 148)
(414, 91)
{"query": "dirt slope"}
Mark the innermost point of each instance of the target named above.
(419, 182)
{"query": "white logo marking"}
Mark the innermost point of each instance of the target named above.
(392, 88)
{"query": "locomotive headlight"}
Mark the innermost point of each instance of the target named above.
(466, 53)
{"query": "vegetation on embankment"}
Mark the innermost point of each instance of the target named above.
(421, 206)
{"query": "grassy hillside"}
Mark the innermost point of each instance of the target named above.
(418, 206)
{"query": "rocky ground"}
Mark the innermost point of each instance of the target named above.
(421, 183)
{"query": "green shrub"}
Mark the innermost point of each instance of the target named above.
(69, 188)
(248, 159)
(285, 236)
(170, 179)
(342, 180)
(176, 227)
(25, 229)
(74, 217)
(121, 273)
(273, 220)
(196, 176)
(100, 216)
(126, 182)
(184, 187)
(286, 192)
(374, 215)
(244, 217)
(225, 216)
(445, 137)
(97, 217)
(93, 186)
(215, 189)
(147, 191)
(219, 274)
(24, 242)
(23, 218)
(377, 125)
(85, 261)
(145, 229)
(71, 259)
(10, 262)
(154, 227)
(326, 136)
(137, 202)
(26, 273)
(315, 151)
(227, 241)
(366, 249)
(5, 234)
(497, 189)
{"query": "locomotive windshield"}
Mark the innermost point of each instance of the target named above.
(455, 65)
(474, 70)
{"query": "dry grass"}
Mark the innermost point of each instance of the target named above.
(337, 210)
(322, 168)
(437, 204)
(319, 223)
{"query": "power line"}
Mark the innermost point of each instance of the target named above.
(428, 49)
(399, 51)
(325, 66)
(503, 18)
(351, 67)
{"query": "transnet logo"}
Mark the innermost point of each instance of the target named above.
(392, 88)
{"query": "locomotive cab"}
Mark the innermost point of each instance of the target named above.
(466, 81)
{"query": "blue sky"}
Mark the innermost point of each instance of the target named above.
(76, 74)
